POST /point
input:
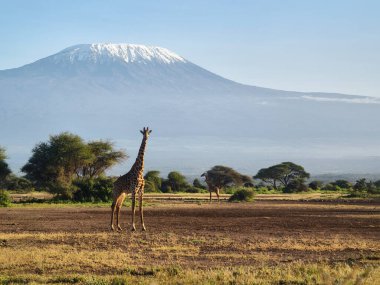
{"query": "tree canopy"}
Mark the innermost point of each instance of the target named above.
(153, 181)
(271, 175)
(222, 176)
(177, 182)
(102, 157)
(2, 154)
(283, 173)
(198, 184)
(54, 164)
(4, 169)
(362, 186)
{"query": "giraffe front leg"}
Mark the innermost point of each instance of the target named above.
(210, 196)
(133, 210)
(141, 209)
(217, 194)
(112, 215)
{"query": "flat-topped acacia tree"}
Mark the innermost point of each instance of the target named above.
(64, 157)
(221, 176)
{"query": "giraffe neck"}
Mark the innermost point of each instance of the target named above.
(138, 166)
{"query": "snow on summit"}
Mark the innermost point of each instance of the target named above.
(103, 53)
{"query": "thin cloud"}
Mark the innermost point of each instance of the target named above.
(364, 100)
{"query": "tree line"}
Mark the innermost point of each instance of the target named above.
(73, 169)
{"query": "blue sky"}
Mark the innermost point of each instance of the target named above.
(320, 45)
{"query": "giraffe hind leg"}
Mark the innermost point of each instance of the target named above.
(113, 215)
(141, 211)
(119, 203)
(133, 210)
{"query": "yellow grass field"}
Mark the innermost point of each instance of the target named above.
(265, 242)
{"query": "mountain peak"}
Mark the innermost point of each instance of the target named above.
(106, 52)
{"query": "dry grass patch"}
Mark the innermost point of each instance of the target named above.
(291, 273)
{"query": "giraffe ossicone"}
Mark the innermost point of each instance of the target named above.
(131, 182)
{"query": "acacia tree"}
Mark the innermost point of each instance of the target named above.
(4, 169)
(103, 156)
(221, 176)
(283, 173)
(292, 171)
(271, 175)
(56, 163)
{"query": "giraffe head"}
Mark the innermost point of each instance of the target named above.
(146, 132)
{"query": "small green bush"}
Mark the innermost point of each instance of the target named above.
(5, 199)
(316, 184)
(331, 187)
(20, 184)
(195, 190)
(295, 186)
(230, 190)
(242, 195)
(166, 188)
(198, 184)
(266, 190)
(362, 188)
(93, 189)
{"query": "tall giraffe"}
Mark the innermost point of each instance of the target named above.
(211, 186)
(131, 182)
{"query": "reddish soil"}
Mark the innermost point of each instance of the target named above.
(260, 218)
(220, 228)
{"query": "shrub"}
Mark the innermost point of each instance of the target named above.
(331, 187)
(343, 184)
(242, 195)
(5, 199)
(62, 189)
(362, 187)
(93, 189)
(177, 182)
(230, 190)
(195, 190)
(151, 186)
(316, 184)
(295, 186)
(18, 183)
(198, 184)
(264, 190)
(153, 181)
(168, 189)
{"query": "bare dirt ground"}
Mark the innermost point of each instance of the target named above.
(205, 235)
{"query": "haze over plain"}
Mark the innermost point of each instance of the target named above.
(290, 46)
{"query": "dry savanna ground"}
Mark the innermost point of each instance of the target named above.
(264, 242)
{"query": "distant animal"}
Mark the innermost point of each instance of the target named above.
(211, 186)
(131, 182)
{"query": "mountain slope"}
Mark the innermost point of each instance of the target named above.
(112, 90)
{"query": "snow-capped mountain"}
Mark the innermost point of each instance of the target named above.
(110, 53)
(198, 117)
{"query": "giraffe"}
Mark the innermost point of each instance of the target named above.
(131, 182)
(211, 186)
